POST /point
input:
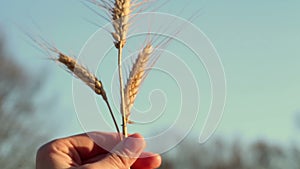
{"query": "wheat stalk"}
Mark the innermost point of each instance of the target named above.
(120, 11)
(120, 18)
(120, 14)
(136, 77)
(78, 71)
(88, 78)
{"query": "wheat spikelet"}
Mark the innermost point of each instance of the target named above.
(136, 77)
(120, 17)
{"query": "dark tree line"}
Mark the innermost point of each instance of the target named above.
(219, 154)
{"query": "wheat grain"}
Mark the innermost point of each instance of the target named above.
(136, 77)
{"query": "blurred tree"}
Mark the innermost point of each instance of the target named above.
(19, 134)
(217, 154)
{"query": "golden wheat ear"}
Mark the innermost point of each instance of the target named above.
(77, 70)
(83, 74)
(120, 13)
(120, 18)
(72, 66)
(136, 78)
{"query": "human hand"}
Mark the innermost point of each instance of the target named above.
(81, 152)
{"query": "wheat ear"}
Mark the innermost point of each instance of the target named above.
(83, 74)
(77, 70)
(88, 78)
(120, 20)
(136, 78)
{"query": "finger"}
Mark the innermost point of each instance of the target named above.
(147, 160)
(150, 161)
(123, 155)
(88, 145)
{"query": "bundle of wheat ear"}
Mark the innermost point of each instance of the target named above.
(120, 11)
(136, 77)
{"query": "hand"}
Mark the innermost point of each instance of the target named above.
(80, 152)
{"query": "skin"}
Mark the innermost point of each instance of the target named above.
(81, 152)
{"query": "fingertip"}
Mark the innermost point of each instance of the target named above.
(156, 161)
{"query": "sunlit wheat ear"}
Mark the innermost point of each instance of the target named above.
(83, 74)
(120, 13)
(72, 66)
(79, 71)
(136, 77)
(120, 20)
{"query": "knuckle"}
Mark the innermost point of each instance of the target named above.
(49, 147)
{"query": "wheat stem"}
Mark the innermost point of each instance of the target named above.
(124, 118)
(122, 108)
(120, 18)
(112, 116)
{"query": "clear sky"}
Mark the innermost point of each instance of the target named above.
(258, 43)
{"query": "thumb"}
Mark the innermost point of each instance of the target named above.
(123, 155)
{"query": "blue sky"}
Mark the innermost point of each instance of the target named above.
(258, 43)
